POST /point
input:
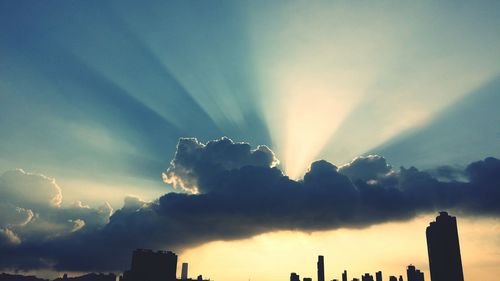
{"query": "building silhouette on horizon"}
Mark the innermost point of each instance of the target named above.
(445, 261)
(148, 265)
(344, 275)
(414, 274)
(184, 272)
(367, 277)
(321, 268)
(294, 277)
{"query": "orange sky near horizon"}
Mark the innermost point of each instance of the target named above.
(389, 247)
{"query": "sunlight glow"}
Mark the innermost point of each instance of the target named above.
(313, 113)
(389, 247)
(338, 82)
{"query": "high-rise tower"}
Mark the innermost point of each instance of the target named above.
(413, 274)
(321, 268)
(184, 272)
(443, 248)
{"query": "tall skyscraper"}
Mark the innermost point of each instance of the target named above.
(414, 274)
(321, 268)
(184, 273)
(344, 275)
(378, 276)
(443, 248)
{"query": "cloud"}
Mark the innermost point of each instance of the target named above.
(77, 224)
(8, 238)
(196, 165)
(133, 203)
(449, 173)
(30, 189)
(243, 194)
(366, 168)
(31, 212)
(11, 215)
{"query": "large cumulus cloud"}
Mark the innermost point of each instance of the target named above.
(196, 165)
(244, 193)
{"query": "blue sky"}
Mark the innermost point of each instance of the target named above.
(98, 92)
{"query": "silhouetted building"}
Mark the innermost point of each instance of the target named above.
(393, 278)
(378, 276)
(400, 278)
(443, 248)
(413, 274)
(152, 266)
(307, 279)
(367, 277)
(344, 275)
(321, 268)
(355, 279)
(184, 272)
(294, 277)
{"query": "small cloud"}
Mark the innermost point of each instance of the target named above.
(77, 224)
(11, 215)
(8, 238)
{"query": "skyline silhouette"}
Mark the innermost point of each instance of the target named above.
(443, 251)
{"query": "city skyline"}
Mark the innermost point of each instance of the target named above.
(443, 251)
(442, 246)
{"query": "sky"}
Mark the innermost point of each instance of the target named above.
(184, 114)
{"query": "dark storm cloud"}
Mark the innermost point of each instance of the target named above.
(243, 193)
(449, 173)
